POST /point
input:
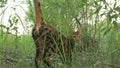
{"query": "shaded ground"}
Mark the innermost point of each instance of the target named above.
(80, 60)
(22, 56)
(22, 64)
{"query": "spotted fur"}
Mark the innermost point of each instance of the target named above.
(49, 41)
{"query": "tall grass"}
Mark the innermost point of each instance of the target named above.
(16, 52)
(99, 46)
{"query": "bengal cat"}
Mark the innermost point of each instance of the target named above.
(49, 41)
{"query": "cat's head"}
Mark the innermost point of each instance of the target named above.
(76, 34)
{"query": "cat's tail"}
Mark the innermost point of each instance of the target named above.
(38, 15)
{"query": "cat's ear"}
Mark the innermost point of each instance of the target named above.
(71, 32)
(79, 31)
(77, 35)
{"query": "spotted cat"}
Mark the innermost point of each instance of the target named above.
(49, 41)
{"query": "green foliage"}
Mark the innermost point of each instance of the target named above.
(16, 51)
(100, 38)
(3, 2)
(29, 13)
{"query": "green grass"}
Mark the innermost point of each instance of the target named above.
(19, 52)
(16, 51)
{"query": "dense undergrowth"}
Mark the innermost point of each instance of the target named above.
(17, 51)
(99, 45)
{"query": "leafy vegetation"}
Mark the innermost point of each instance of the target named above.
(100, 39)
